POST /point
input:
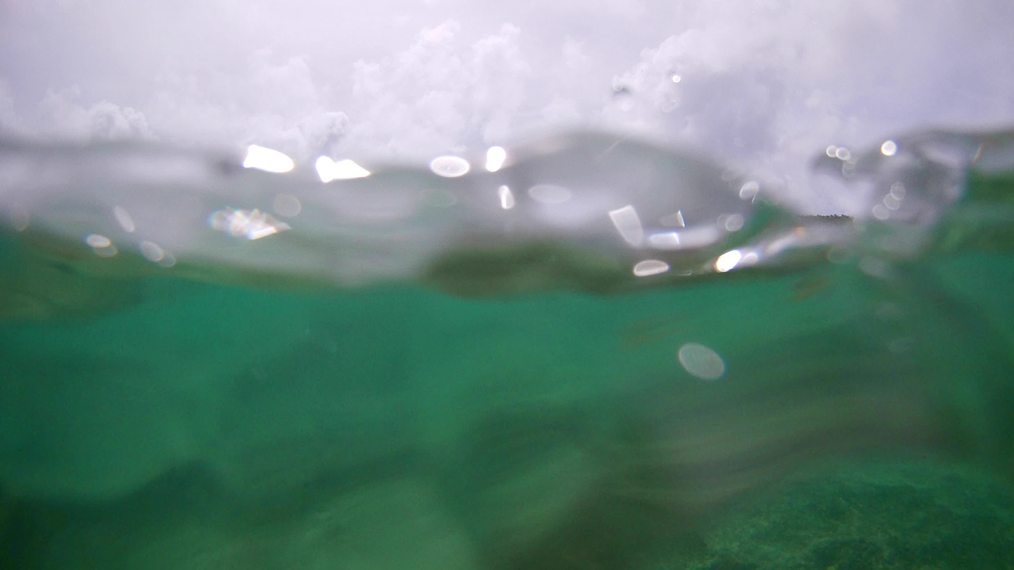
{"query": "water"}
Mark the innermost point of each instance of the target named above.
(603, 353)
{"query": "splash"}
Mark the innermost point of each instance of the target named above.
(586, 211)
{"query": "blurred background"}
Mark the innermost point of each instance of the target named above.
(764, 84)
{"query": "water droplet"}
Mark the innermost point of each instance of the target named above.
(495, 157)
(749, 189)
(728, 261)
(287, 205)
(701, 361)
(650, 267)
(733, 222)
(96, 240)
(842, 153)
(676, 78)
(168, 260)
(101, 245)
(124, 219)
(673, 220)
(266, 159)
(329, 170)
(889, 148)
(506, 197)
(250, 224)
(449, 166)
(626, 221)
(667, 240)
(152, 251)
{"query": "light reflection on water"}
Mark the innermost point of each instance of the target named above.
(569, 358)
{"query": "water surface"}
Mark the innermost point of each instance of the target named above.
(603, 353)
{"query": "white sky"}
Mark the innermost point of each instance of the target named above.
(765, 83)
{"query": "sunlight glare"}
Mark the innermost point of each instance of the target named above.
(266, 159)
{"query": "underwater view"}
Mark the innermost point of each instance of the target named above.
(586, 350)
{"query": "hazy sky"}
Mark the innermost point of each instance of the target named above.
(761, 82)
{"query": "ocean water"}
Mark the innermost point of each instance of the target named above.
(585, 351)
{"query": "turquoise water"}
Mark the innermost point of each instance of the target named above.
(641, 359)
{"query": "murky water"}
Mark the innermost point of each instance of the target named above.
(582, 352)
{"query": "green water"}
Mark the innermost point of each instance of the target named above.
(845, 402)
